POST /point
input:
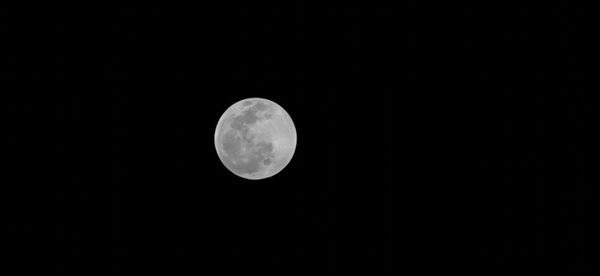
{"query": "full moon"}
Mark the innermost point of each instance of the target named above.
(255, 138)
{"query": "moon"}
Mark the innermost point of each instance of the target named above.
(269, 123)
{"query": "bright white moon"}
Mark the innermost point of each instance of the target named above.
(255, 138)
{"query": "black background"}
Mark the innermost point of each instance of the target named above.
(518, 113)
(110, 121)
(483, 110)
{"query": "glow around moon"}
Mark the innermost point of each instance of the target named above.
(273, 125)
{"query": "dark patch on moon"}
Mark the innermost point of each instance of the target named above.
(259, 106)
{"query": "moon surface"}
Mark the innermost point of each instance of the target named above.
(273, 126)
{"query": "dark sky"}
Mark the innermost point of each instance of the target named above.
(483, 111)
(517, 121)
(110, 127)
